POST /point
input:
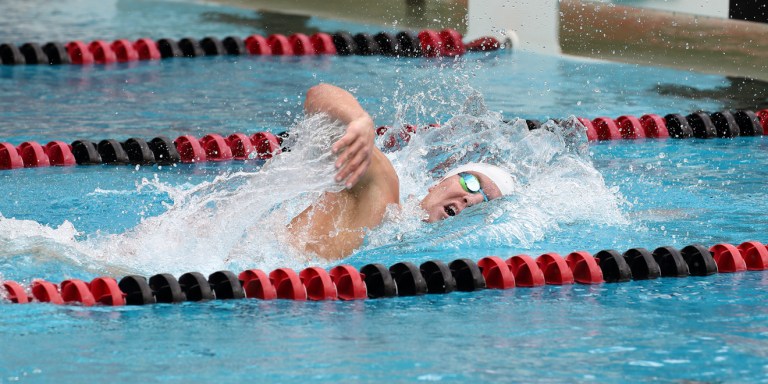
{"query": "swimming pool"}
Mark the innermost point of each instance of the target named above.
(644, 194)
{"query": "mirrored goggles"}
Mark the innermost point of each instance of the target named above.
(471, 184)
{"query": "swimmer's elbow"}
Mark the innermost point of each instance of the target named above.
(319, 88)
(314, 94)
(314, 90)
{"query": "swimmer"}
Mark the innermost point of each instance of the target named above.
(334, 226)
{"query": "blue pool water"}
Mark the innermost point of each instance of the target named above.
(83, 222)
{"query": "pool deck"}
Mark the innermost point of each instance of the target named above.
(604, 31)
(651, 37)
(410, 14)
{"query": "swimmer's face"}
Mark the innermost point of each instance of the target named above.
(447, 198)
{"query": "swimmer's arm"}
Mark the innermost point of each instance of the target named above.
(356, 147)
(334, 225)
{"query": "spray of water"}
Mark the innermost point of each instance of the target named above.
(557, 183)
(237, 220)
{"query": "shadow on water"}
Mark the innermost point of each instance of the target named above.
(268, 21)
(740, 93)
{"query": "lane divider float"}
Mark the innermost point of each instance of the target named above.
(375, 280)
(263, 145)
(702, 125)
(427, 43)
(136, 151)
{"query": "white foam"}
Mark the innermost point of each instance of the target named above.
(559, 183)
(238, 219)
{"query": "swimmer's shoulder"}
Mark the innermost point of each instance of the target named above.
(386, 178)
(379, 188)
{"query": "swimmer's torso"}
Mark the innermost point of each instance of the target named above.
(334, 226)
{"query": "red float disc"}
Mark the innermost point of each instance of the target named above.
(79, 53)
(323, 44)
(406, 132)
(147, 49)
(15, 293)
(349, 283)
(241, 146)
(318, 284)
(280, 45)
(452, 42)
(591, 131)
(190, 150)
(102, 52)
(288, 284)
(266, 145)
(382, 130)
(9, 157)
(431, 43)
(655, 126)
(486, 43)
(762, 115)
(257, 45)
(527, 273)
(124, 51)
(301, 44)
(60, 154)
(585, 268)
(556, 271)
(77, 291)
(33, 155)
(496, 273)
(755, 255)
(46, 292)
(728, 258)
(106, 291)
(390, 142)
(257, 285)
(630, 127)
(606, 129)
(216, 148)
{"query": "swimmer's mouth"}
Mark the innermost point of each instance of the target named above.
(450, 210)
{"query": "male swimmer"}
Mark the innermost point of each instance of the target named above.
(335, 224)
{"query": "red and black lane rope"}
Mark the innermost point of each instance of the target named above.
(427, 43)
(263, 145)
(373, 281)
(702, 125)
(136, 151)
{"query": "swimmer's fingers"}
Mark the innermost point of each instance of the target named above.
(346, 147)
(356, 168)
(350, 159)
(361, 170)
(359, 135)
(342, 143)
(355, 148)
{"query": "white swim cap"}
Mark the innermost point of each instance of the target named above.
(499, 176)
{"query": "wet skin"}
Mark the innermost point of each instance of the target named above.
(447, 198)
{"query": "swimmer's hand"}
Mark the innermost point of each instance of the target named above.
(355, 149)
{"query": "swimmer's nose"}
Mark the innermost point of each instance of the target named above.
(471, 199)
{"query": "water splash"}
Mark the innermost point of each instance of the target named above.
(237, 220)
(558, 184)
